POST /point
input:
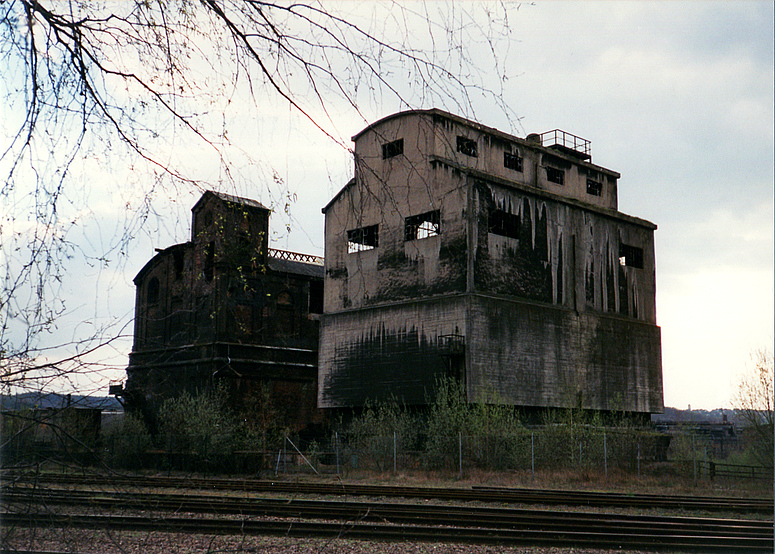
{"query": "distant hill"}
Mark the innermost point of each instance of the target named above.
(56, 400)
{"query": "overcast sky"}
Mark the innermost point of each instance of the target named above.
(677, 97)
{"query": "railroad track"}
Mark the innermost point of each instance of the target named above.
(388, 521)
(475, 494)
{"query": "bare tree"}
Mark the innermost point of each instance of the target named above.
(754, 402)
(92, 86)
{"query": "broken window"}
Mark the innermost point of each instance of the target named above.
(467, 146)
(501, 222)
(554, 175)
(422, 226)
(365, 238)
(512, 161)
(392, 149)
(630, 256)
(595, 188)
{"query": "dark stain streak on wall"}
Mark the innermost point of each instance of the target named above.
(384, 365)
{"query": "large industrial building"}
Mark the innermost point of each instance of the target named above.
(225, 307)
(456, 250)
(503, 262)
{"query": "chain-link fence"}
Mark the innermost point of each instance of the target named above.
(547, 448)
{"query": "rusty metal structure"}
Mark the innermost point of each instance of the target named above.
(225, 307)
(461, 250)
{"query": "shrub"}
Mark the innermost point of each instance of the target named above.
(126, 443)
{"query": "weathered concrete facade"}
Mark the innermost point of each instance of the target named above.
(458, 249)
(224, 306)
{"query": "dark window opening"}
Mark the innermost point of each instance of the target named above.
(392, 149)
(554, 175)
(422, 226)
(630, 256)
(243, 319)
(209, 261)
(467, 146)
(316, 297)
(178, 263)
(595, 188)
(503, 223)
(512, 161)
(365, 238)
(153, 291)
(285, 315)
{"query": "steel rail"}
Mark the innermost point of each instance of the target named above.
(462, 516)
(479, 494)
(380, 531)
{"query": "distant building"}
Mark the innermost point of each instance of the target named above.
(224, 306)
(461, 250)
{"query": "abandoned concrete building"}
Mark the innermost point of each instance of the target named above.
(503, 262)
(225, 306)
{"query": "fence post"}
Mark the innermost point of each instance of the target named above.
(605, 455)
(694, 459)
(638, 460)
(336, 446)
(394, 452)
(460, 451)
(533, 454)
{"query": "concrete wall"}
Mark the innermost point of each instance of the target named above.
(533, 355)
(384, 193)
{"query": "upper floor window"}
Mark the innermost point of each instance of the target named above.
(363, 238)
(595, 188)
(209, 265)
(422, 226)
(391, 149)
(512, 161)
(179, 263)
(501, 222)
(152, 293)
(630, 256)
(554, 175)
(467, 146)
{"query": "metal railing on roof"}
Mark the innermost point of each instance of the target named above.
(567, 140)
(295, 256)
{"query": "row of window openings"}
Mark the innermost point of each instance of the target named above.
(500, 222)
(511, 161)
(283, 299)
(416, 227)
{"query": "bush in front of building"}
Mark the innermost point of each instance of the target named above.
(126, 443)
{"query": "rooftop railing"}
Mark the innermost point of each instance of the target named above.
(295, 256)
(557, 137)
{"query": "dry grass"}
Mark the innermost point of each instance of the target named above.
(657, 481)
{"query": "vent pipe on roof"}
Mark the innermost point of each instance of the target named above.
(535, 137)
